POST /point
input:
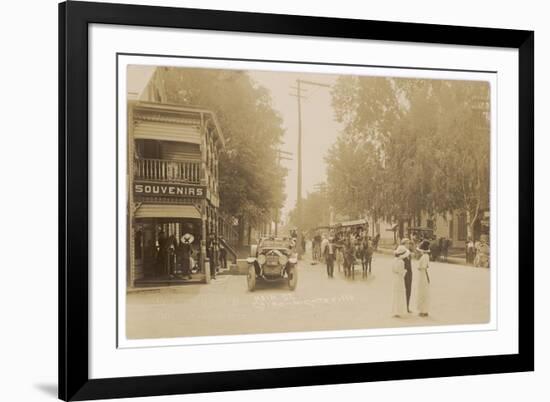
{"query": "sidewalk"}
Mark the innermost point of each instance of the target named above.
(385, 249)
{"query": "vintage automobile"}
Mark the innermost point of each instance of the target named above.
(439, 247)
(272, 259)
(421, 233)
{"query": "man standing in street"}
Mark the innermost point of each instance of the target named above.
(408, 271)
(324, 245)
(330, 257)
(211, 249)
(223, 253)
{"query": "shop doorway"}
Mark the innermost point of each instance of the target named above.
(157, 251)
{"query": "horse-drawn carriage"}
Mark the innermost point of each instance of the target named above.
(353, 246)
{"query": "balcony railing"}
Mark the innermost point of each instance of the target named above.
(167, 170)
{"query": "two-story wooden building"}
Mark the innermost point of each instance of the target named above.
(172, 180)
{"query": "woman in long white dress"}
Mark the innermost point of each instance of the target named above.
(399, 305)
(423, 279)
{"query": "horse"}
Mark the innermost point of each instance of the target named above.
(365, 252)
(349, 260)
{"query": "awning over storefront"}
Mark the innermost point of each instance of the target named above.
(167, 131)
(167, 211)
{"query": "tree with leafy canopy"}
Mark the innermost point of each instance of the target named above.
(419, 145)
(251, 180)
(316, 211)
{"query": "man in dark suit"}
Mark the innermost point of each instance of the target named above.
(408, 268)
(330, 256)
(211, 252)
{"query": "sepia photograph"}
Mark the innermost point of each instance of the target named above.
(262, 201)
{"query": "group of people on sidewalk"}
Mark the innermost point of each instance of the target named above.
(402, 279)
(477, 253)
(179, 258)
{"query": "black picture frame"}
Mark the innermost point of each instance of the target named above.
(74, 19)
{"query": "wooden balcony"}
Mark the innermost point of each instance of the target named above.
(167, 170)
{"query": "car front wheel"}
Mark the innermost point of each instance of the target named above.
(292, 274)
(251, 278)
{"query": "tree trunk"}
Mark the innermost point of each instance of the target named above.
(471, 230)
(472, 218)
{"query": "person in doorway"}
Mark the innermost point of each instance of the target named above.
(399, 300)
(184, 253)
(423, 279)
(172, 246)
(162, 254)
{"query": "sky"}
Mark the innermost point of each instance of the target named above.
(319, 127)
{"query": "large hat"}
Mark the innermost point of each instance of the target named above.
(187, 238)
(401, 252)
(424, 246)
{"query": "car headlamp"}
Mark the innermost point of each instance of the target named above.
(261, 259)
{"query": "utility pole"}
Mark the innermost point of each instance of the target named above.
(299, 196)
(299, 97)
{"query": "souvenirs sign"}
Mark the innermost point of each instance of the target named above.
(169, 190)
